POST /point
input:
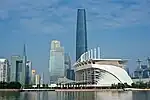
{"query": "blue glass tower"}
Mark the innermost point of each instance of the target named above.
(24, 60)
(81, 33)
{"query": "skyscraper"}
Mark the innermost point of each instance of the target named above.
(67, 63)
(33, 77)
(37, 79)
(28, 72)
(24, 59)
(4, 70)
(42, 79)
(81, 33)
(18, 68)
(56, 62)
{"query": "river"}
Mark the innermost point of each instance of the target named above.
(51, 95)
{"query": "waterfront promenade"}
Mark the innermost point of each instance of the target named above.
(37, 89)
(87, 90)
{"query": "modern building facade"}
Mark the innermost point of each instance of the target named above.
(16, 68)
(28, 72)
(33, 77)
(67, 63)
(42, 79)
(70, 74)
(24, 67)
(95, 71)
(81, 33)
(56, 62)
(37, 79)
(4, 70)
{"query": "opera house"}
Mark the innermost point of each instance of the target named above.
(95, 71)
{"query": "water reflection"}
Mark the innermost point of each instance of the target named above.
(75, 95)
(142, 95)
(9, 95)
(94, 95)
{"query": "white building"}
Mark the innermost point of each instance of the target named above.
(33, 77)
(37, 79)
(4, 70)
(56, 61)
(95, 71)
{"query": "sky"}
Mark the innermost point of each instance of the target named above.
(120, 27)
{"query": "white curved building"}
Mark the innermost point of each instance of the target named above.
(100, 72)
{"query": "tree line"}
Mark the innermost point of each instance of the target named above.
(10, 85)
(140, 85)
(17, 85)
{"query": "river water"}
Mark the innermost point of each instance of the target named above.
(51, 95)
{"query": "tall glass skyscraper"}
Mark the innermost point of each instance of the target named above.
(56, 62)
(67, 61)
(18, 68)
(81, 33)
(24, 61)
(28, 72)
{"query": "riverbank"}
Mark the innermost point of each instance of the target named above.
(73, 90)
(10, 90)
(87, 90)
(136, 89)
(102, 90)
(38, 90)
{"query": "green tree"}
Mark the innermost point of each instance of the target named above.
(14, 85)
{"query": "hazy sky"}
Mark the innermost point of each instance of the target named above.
(120, 27)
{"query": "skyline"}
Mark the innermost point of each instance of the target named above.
(120, 28)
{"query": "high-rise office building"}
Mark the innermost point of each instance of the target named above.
(70, 74)
(56, 62)
(81, 33)
(28, 72)
(67, 63)
(37, 79)
(4, 70)
(33, 77)
(24, 61)
(42, 79)
(16, 69)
